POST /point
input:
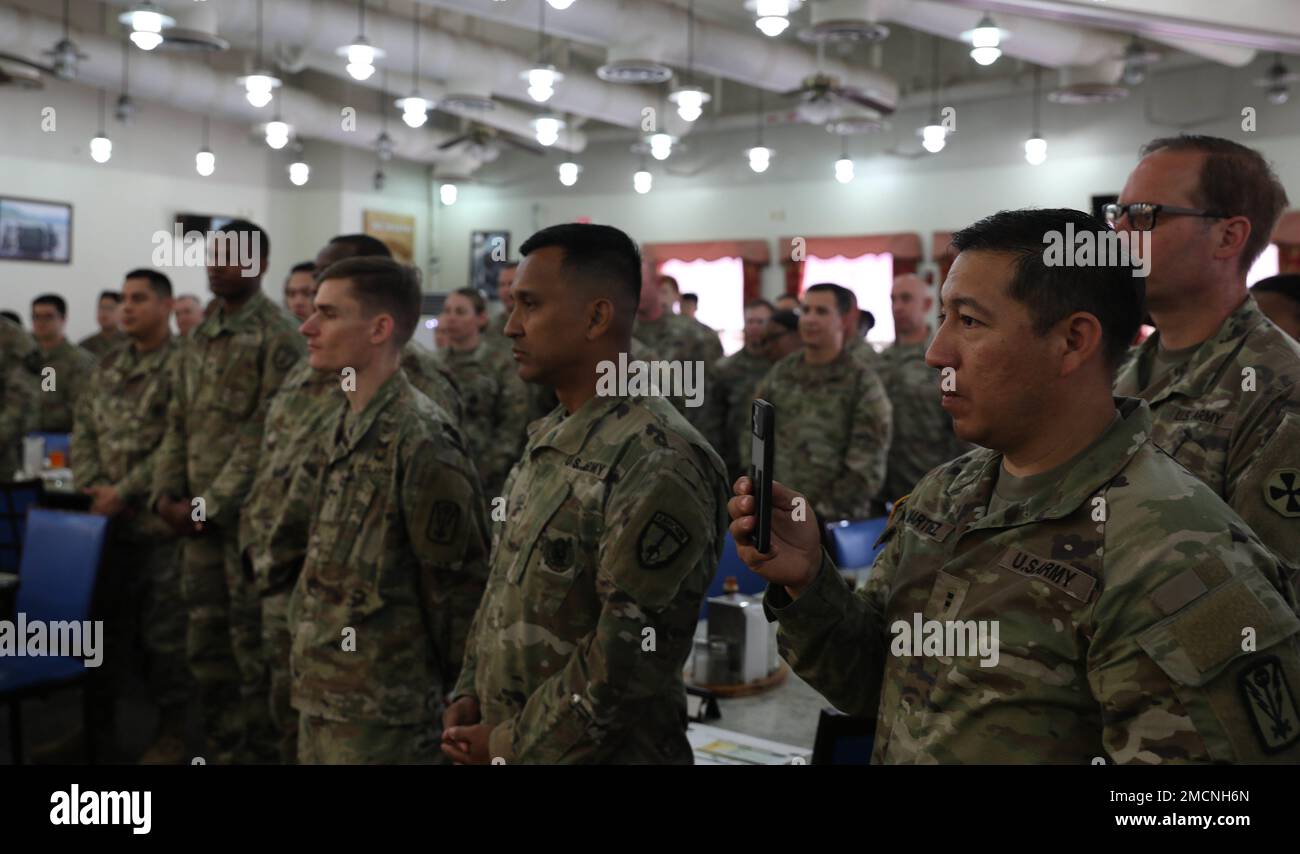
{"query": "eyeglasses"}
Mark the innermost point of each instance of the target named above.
(1143, 214)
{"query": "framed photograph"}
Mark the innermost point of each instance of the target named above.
(488, 251)
(35, 230)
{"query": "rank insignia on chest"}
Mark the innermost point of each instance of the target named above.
(558, 552)
(661, 540)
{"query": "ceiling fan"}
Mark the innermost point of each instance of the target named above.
(823, 98)
(483, 143)
(65, 54)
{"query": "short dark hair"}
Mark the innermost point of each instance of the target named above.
(158, 282)
(598, 254)
(382, 286)
(671, 281)
(472, 294)
(843, 296)
(302, 267)
(507, 265)
(113, 295)
(787, 319)
(363, 246)
(12, 315)
(60, 305)
(691, 298)
(866, 321)
(1286, 284)
(1235, 180)
(1111, 293)
(759, 303)
(194, 297)
(243, 226)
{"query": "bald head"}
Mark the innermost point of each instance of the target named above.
(911, 302)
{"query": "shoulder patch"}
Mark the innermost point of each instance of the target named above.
(1282, 492)
(443, 518)
(661, 540)
(1271, 705)
(284, 358)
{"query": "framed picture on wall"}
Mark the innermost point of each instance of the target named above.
(488, 250)
(35, 230)
(397, 231)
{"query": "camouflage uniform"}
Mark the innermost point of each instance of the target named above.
(434, 381)
(923, 436)
(119, 426)
(72, 367)
(1240, 442)
(18, 395)
(734, 381)
(273, 525)
(101, 343)
(397, 559)
(230, 367)
(833, 428)
(496, 410)
(615, 523)
(1121, 592)
(677, 338)
(858, 348)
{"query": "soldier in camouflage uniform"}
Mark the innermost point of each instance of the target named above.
(496, 331)
(18, 395)
(670, 297)
(614, 525)
(735, 379)
(833, 420)
(119, 427)
(1222, 380)
(107, 315)
(923, 435)
(855, 343)
(397, 554)
(1116, 588)
(675, 338)
(70, 365)
(227, 373)
(496, 400)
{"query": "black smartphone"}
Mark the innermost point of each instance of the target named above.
(763, 433)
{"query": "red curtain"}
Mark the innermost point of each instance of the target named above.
(754, 255)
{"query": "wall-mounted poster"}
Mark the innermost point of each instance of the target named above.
(397, 231)
(32, 230)
(488, 250)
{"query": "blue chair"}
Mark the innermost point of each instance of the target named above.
(57, 583)
(731, 565)
(853, 541)
(15, 498)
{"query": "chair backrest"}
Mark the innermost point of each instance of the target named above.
(855, 541)
(731, 565)
(60, 562)
(843, 740)
(15, 498)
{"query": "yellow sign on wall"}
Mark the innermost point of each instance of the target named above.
(397, 231)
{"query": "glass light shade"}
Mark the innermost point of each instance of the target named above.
(1036, 150)
(569, 172)
(448, 193)
(844, 170)
(760, 157)
(642, 181)
(101, 149)
(205, 163)
(299, 173)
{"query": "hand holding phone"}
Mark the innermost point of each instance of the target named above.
(762, 430)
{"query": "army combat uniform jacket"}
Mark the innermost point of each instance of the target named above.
(615, 523)
(227, 371)
(1231, 415)
(833, 429)
(57, 403)
(434, 381)
(396, 562)
(119, 427)
(18, 391)
(1122, 596)
(496, 409)
(923, 436)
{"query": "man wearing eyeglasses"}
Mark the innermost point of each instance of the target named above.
(1223, 381)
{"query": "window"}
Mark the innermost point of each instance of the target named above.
(870, 277)
(720, 286)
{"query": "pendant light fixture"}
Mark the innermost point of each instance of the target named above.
(361, 54)
(984, 39)
(415, 109)
(65, 54)
(689, 98)
(934, 136)
(101, 147)
(760, 156)
(642, 180)
(543, 77)
(258, 85)
(124, 111)
(205, 162)
(147, 23)
(1036, 146)
(844, 166)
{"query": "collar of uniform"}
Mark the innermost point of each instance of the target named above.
(142, 363)
(570, 432)
(1202, 370)
(238, 321)
(64, 346)
(377, 410)
(1121, 440)
(462, 357)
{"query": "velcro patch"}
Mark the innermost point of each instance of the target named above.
(1212, 417)
(927, 527)
(1068, 579)
(661, 540)
(284, 358)
(1272, 706)
(1183, 588)
(1282, 492)
(443, 519)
